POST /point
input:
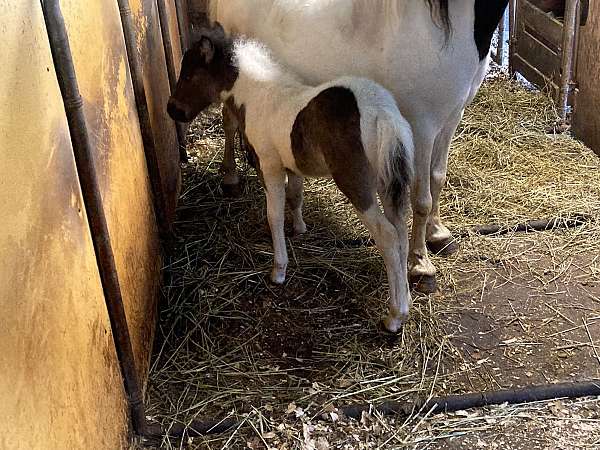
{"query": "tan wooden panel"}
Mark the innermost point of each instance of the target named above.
(60, 384)
(156, 82)
(586, 119)
(174, 32)
(100, 59)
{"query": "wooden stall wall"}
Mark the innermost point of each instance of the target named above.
(156, 83)
(100, 58)
(586, 118)
(60, 383)
(198, 10)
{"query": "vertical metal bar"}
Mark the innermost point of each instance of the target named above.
(84, 160)
(568, 47)
(141, 102)
(171, 72)
(512, 33)
(499, 57)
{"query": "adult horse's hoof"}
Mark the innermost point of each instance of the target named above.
(425, 284)
(232, 190)
(445, 247)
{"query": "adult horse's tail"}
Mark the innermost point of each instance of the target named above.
(396, 156)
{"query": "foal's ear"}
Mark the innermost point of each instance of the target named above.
(207, 49)
(219, 28)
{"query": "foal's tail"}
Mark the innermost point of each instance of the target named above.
(396, 156)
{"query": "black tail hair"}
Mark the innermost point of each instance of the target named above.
(401, 175)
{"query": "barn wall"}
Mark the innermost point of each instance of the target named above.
(156, 83)
(586, 119)
(60, 384)
(100, 59)
(177, 54)
(198, 10)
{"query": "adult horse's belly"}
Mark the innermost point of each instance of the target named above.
(429, 77)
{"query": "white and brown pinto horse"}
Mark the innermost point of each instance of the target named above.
(349, 129)
(431, 54)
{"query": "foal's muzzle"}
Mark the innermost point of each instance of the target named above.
(177, 111)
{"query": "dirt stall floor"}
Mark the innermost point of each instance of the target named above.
(512, 310)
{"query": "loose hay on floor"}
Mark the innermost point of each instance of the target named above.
(229, 343)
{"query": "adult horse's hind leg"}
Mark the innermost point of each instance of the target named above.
(294, 194)
(421, 270)
(439, 239)
(231, 180)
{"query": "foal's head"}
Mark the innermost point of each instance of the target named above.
(207, 70)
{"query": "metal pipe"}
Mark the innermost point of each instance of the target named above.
(499, 56)
(137, 79)
(479, 399)
(512, 27)
(436, 405)
(569, 29)
(171, 72)
(83, 153)
(534, 225)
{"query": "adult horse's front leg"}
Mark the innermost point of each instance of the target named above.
(439, 238)
(421, 270)
(231, 180)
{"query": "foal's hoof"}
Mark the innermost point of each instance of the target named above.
(425, 284)
(445, 247)
(232, 190)
(393, 325)
(278, 276)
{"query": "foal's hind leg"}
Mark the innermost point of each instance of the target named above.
(397, 215)
(389, 244)
(294, 194)
(231, 180)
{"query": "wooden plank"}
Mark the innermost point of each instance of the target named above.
(586, 118)
(543, 26)
(538, 55)
(534, 76)
(60, 382)
(156, 84)
(104, 78)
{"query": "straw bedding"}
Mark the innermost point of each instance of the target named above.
(229, 343)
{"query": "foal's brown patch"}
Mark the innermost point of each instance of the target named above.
(239, 113)
(328, 129)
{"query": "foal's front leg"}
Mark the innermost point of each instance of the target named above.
(275, 190)
(231, 180)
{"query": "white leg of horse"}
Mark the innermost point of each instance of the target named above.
(389, 244)
(398, 312)
(275, 190)
(231, 180)
(439, 238)
(294, 193)
(422, 271)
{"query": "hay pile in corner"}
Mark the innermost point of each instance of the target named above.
(230, 343)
